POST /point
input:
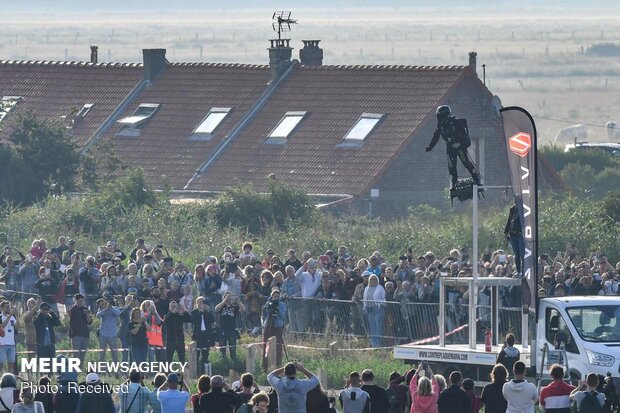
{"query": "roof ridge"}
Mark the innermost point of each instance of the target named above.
(385, 67)
(72, 63)
(215, 64)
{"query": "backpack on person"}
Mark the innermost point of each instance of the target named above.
(590, 403)
(394, 402)
(273, 400)
(462, 133)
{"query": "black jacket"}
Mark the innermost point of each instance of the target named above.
(378, 398)
(493, 399)
(197, 318)
(454, 400)
(218, 401)
(173, 323)
(42, 322)
(513, 225)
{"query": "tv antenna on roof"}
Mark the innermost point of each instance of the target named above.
(282, 22)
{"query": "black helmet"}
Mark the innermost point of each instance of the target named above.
(443, 112)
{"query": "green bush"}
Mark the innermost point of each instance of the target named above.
(242, 207)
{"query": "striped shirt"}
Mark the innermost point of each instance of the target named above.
(554, 398)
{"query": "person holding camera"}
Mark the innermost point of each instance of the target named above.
(202, 332)
(227, 311)
(10, 275)
(44, 323)
(172, 400)
(134, 397)
(424, 390)
(108, 330)
(258, 404)
(274, 320)
(80, 319)
(89, 277)
(173, 331)
(352, 398)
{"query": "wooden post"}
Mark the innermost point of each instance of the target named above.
(192, 360)
(250, 359)
(322, 375)
(333, 349)
(271, 356)
(233, 376)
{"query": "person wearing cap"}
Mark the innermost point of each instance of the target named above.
(292, 391)
(274, 320)
(221, 399)
(96, 398)
(44, 323)
(171, 398)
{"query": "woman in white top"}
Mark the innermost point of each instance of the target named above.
(374, 297)
(9, 395)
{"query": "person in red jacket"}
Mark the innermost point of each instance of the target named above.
(555, 397)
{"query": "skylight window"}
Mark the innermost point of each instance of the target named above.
(362, 128)
(85, 109)
(6, 104)
(134, 123)
(285, 128)
(213, 119)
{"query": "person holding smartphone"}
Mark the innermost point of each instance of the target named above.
(352, 398)
(171, 398)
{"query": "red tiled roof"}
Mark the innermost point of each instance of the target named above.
(186, 92)
(52, 89)
(334, 97)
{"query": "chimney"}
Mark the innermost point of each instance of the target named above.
(279, 57)
(472, 60)
(93, 54)
(154, 63)
(311, 54)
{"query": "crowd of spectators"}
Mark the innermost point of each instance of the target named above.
(150, 302)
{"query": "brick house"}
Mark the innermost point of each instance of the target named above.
(337, 132)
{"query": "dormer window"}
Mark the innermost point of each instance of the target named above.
(205, 130)
(362, 128)
(282, 132)
(133, 124)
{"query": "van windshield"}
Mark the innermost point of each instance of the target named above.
(599, 324)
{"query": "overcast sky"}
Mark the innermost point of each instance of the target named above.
(122, 5)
